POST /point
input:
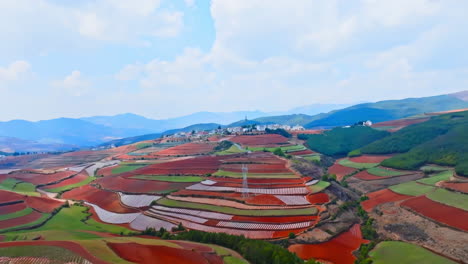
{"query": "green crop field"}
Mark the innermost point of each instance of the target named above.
(441, 176)
(126, 168)
(433, 168)
(449, 198)
(320, 186)
(56, 254)
(71, 186)
(253, 175)
(378, 171)
(168, 178)
(313, 157)
(233, 260)
(17, 214)
(391, 252)
(411, 188)
(143, 145)
(70, 219)
(235, 211)
(234, 149)
(19, 187)
(356, 165)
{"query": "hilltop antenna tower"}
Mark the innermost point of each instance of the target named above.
(245, 186)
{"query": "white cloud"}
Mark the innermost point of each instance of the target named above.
(73, 84)
(189, 3)
(14, 71)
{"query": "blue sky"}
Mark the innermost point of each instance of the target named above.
(162, 58)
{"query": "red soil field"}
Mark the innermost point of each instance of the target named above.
(254, 157)
(365, 176)
(75, 179)
(260, 140)
(285, 233)
(8, 197)
(456, 186)
(254, 185)
(20, 220)
(307, 132)
(380, 197)
(265, 182)
(401, 122)
(318, 198)
(194, 166)
(274, 219)
(74, 247)
(438, 212)
(340, 171)
(257, 168)
(156, 254)
(105, 199)
(338, 250)
(20, 161)
(42, 204)
(185, 192)
(39, 178)
(302, 152)
(264, 199)
(188, 149)
(11, 208)
(117, 183)
(106, 171)
(370, 158)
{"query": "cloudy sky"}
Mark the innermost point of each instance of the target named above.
(166, 58)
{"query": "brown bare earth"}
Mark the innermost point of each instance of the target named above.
(400, 224)
(375, 185)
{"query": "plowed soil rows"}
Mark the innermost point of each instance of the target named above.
(120, 184)
(253, 185)
(73, 180)
(188, 149)
(340, 171)
(158, 254)
(338, 250)
(8, 209)
(264, 182)
(195, 166)
(365, 176)
(185, 192)
(370, 158)
(107, 200)
(20, 220)
(8, 197)
(76, 248)
(42, 204)
(380, 197)
(39, 178)
(456, 186)
(260, 140)
(302, 152)
(275, 219)
(438, 212)
(264, 199)
(318, 198)
(257, 168)
(106, 171)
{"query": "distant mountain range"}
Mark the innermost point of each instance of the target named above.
(63, 133)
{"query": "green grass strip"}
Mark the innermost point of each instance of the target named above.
(235, 211)
(234, 260)
(168, 178)
(313, 157)
(71, 186)
(431, 168)
(17, 214)
(442, 176)
(231, 174)
(8, 184)
(284, 149)
(454, 199)
(42, 219)
(20, 187)
(319, 186)
(391, 252)
(58, 254)
(356, 165)
(411, 188)
(234, 149)
(126, 168)
(377, 171)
